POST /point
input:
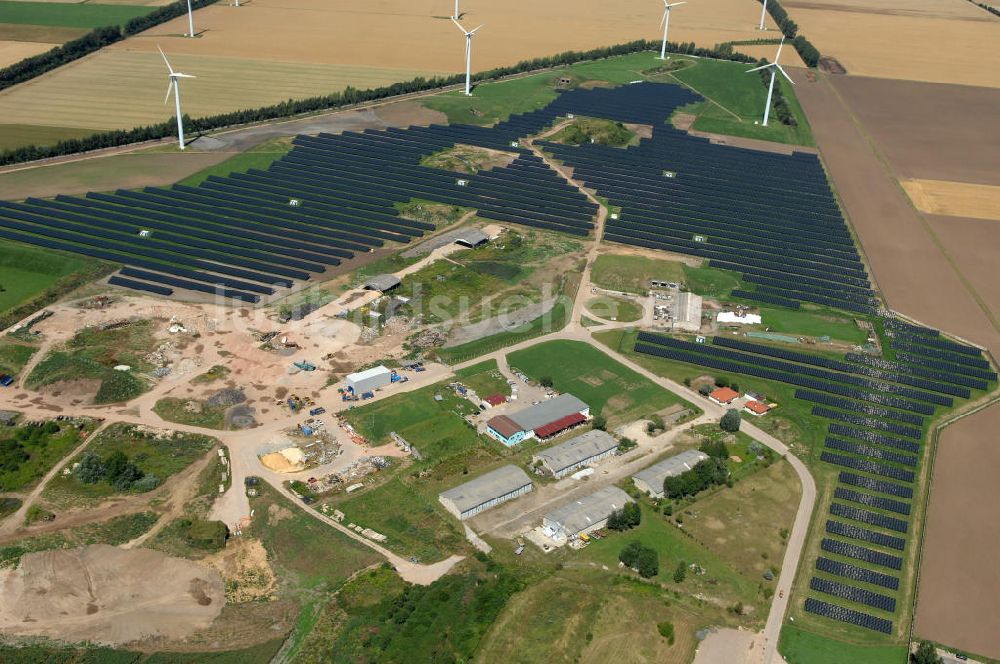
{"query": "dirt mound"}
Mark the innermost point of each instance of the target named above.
(831, 65)
(108, 595)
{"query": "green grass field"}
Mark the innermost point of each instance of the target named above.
(414, 526)
(15, 136)
(484, 378)
(812, 324)
(631, 274)
(614, 308)
(173, 409)
(70, 15)
(260, 156)
(739, 99)
(28, 273)
(435, 428)
(799, 646)
(162, 457)
(13, 357)
(609, 388)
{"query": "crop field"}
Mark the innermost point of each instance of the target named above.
(855, 35)
(240, 64)
(15, 51)
(959, 552)
(606, 386)
(69, 15)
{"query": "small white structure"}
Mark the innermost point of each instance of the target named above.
(486, 491)
(733, 317)
(584, 515)
(369, 379)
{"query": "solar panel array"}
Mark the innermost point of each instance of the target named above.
(247, 235)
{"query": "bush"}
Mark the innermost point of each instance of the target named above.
(545, 381)
(626, 444)
(715, 448)
(680, 573)
(731, 421)
(705, 389)
(91, 469)
(625, 518)
(926, 653)
(706, 473)
(205, 534)
(721, 381)
(666, 630)
(600, 423)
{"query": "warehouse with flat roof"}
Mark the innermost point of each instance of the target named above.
(583, 515)
(486, 491)
(368, 380)
(564, 458)
(650, 480)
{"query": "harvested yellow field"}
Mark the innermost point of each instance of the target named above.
(48, 34)
(940, 41)
(15, 51)
(954, 199)
(267, 51)
(121, 89)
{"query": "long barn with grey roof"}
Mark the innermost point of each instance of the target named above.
(486, 491)
(650, 480)
(564, 458)
(585, 514)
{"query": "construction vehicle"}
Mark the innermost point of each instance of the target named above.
(304, 365)
(317, 411)
(368, 395)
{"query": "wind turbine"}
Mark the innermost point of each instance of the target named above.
(172, 86)
(666, 25)
(468, 55)
(763, 12)
(190, 20)
(456, 16)
(774, 67)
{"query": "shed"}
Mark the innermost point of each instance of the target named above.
(496, 399)
(650, 480)
(472, 237)
(369, 379)
(547, 412)
(585, 514)
(724, 395)
(564, 458)
(486, 491)
(382, 283)
(757, 407)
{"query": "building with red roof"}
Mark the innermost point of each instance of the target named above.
(495, 400)
(560, 425)
(757, 408)
(724, 396)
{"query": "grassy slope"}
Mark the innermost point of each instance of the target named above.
(28, 272)
(70, 15)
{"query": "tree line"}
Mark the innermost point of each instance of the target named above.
(348, 97)
(789, 28)
(91, 42)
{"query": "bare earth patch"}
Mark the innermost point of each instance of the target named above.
(108, 595)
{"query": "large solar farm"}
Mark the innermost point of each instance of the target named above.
(588, 362)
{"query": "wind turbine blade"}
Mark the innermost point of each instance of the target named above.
(459, 25)
(780, 46)
(784, 74)
(473, 31)
(170, 88)
(179, 75)
(677, 3)
(769, 64)
(169, 68)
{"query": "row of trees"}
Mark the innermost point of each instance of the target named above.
(348, 97)
(789, 28)
(91, 42)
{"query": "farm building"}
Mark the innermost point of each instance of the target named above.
(539, 421)
(650, 480)
(687, 312)
(570, 520)
(382, 283)
(472, 237)
(757, 408)
(486, 491)
(368, 380)
(724, 396)
(495, 400)
(583, 450)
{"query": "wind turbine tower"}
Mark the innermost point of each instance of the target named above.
(666, 25)
(190, 20)
(172, 86)
(468, 55)
(775, 68)
(763, 12)
(456, 16)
